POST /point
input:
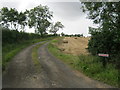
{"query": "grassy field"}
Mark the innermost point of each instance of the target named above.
(10, 50)
(88, 64)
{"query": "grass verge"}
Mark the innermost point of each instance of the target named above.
(10, 50)
(88, 64)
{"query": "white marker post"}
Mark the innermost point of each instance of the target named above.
(104, 61)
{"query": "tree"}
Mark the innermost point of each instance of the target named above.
(106, 38)
(38, 18)
(107, 15)
(62, 34)
(13, 18)
(10, 17)
(22, 20)
(56, 27)
(4, 17)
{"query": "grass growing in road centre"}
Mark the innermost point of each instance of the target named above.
(35, 57)
(88, 64)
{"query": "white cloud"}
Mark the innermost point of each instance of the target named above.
(66, 11)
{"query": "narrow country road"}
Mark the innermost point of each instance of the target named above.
(62, 76)
(21, 72)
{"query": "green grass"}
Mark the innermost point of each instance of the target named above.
(10, 50)
(92, 67)
(35, 56)
(88, 64)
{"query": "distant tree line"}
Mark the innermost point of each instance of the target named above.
(72, 35)
(105, 38)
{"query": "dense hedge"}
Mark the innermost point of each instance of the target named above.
(13, 36)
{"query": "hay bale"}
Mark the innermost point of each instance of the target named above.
(65, 41)
(62, 49)
(75, 37)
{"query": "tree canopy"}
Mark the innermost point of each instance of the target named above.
(55, 27)
(39, 18)
(105, 38)
(12, 18)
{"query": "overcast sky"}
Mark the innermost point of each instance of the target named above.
(69, 13)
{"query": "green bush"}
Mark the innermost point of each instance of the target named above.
(13, 36)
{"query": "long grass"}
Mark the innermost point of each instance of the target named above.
(88, 64)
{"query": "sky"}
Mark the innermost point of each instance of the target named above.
(68, 12)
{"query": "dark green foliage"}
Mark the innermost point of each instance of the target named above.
(106, 38)
(9, 17)
(55, 28)
(74, 35)
(78, 35)
(22, 20)
(62, 34)
(4, 17)
(13, 36)
(39, 17)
